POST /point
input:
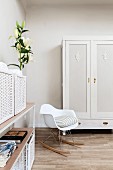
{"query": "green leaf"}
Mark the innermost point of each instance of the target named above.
(21, 42)
(18, 37)
(13, 46)
(23, 57)
(27, 59)
(24, 60)
(24, 31)
(10, 37)
(23, 50)
(30, 52)
(17, 24)
(23, 24)
(16, 44)
(19, 30)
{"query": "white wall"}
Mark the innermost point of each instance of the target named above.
(47, 25)
(10, 12)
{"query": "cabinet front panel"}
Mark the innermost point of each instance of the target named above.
(78, 77)
(102, 79)
(77, 82)
(105, 78)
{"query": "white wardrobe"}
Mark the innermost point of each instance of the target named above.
(88, 80)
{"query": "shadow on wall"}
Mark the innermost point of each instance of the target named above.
(54, 65)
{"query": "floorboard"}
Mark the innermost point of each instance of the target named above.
(95, 154)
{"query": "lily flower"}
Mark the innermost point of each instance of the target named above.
(16, 33)
(31, 57)
(18, 46)
(27, 42)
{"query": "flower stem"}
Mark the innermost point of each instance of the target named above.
(20, 62)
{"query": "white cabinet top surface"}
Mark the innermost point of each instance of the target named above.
(15, 118)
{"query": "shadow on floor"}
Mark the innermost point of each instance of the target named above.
(92, 131)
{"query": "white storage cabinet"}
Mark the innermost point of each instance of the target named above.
(88, 80)
(21, 163)
(23, 156)
(26, 159)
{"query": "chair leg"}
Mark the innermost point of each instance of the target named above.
(54, 137)
(64, 133)
(57, 138)
(71, 137)
(60, 139)
(49, 137)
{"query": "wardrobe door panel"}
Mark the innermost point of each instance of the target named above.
(103, 87)
(105, 78)
(78, 77)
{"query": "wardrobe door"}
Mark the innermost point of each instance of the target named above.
(76, 77)
(102, 79)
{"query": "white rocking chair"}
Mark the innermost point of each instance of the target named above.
(62, 119)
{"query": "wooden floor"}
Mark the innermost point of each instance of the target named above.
(96, 154)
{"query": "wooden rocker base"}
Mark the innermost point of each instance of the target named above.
(72, 143)
(60, 151)
(54, 150)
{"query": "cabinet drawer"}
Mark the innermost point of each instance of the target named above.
(95, 124)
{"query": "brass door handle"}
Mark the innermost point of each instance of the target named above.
(94, 80)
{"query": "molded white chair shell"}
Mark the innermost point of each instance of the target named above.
(49, 112)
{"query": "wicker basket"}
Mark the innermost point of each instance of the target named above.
(20, 93)
(6, 96)
(12, 95)
(30, 152)
(21, 162)
(25, 161)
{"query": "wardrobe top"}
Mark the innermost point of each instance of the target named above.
(84, 37)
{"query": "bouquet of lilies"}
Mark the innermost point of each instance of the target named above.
(22, 45)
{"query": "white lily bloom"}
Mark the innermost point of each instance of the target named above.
(18, 46)
(31, 57)
(25, 55)
(22, 54)
(27, 42)
(27, 47)
(15, 33)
